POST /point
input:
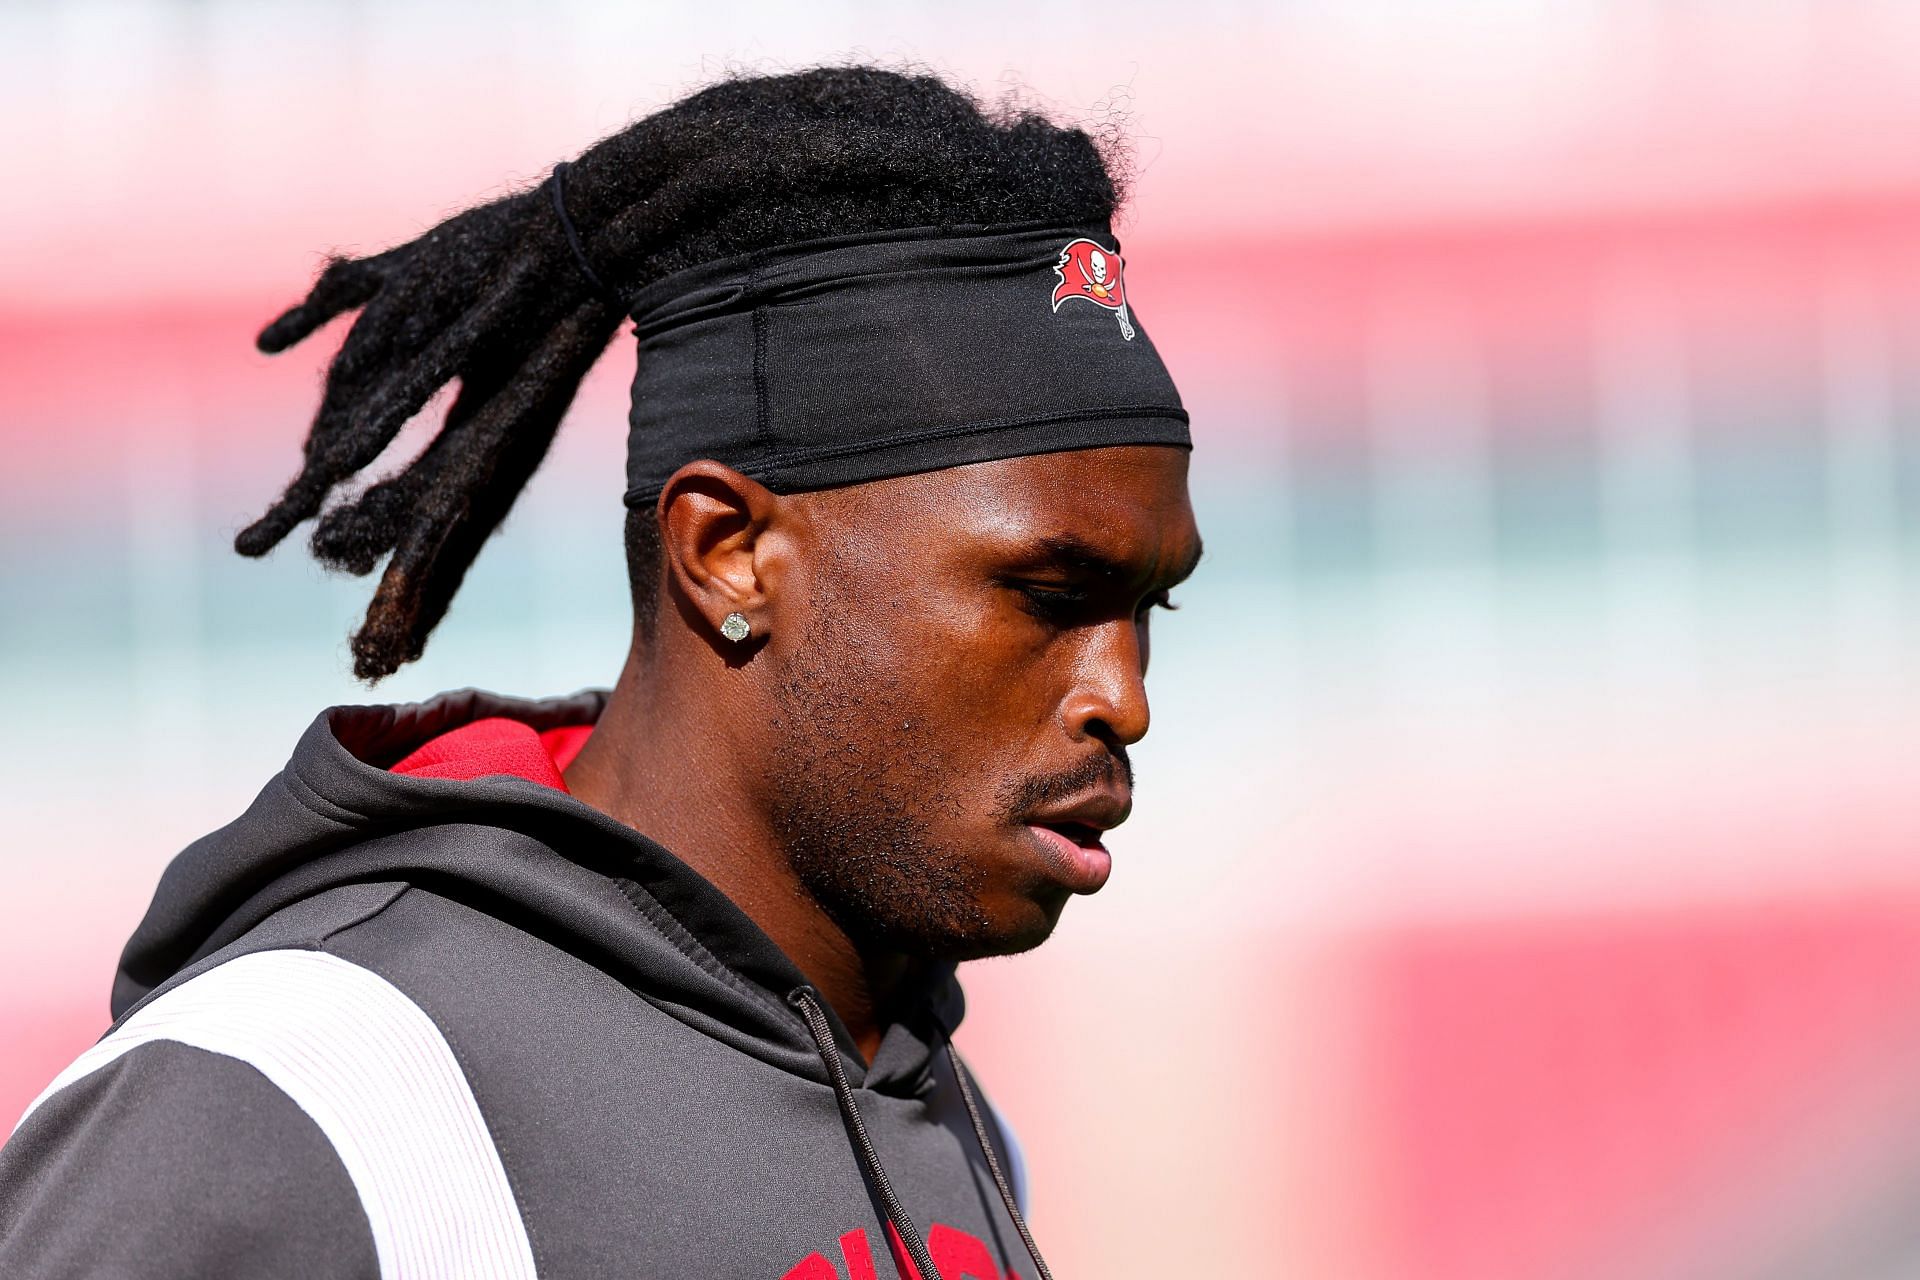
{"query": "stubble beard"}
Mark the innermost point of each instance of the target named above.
(852, 814)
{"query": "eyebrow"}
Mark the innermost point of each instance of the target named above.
(1071, 552)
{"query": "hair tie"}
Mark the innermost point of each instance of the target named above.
(573, 238)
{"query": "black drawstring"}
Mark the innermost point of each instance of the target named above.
(993, 1165)
(803, 999)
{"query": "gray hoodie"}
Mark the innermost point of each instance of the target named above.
(399, 1025)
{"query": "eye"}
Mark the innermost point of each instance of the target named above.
(1052, 603)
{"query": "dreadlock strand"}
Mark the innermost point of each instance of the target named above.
(357, 421)
(380, 413)
(345, 284)
(479, 480)
(355, 534)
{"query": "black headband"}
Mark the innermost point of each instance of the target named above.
(835, 361)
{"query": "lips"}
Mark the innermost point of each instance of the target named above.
(1068, 835)
(1075, 854)
(1093, 812)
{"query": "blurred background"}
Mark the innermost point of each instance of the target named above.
(1524, 880)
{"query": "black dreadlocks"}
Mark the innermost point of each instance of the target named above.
(494, 299)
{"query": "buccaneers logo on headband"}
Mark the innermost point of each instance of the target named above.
(1088, 271)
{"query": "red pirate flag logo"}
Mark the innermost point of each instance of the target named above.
(1087, 271)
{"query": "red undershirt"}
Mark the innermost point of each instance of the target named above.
(498, 745)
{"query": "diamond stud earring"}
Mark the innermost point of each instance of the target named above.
(735, 627)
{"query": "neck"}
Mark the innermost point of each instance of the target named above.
(651, 764)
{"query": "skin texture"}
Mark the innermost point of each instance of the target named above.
(935, 661)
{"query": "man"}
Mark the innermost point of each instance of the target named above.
(660, 981)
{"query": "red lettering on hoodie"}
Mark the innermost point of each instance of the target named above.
(853, 1247)
(960, 1256)
(812, 1267)
(957, 1254)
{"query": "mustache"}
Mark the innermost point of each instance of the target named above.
(1094, 773)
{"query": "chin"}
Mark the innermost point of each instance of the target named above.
(912, 900)
(1019, 925)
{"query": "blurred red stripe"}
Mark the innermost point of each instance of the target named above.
(1559, 1093)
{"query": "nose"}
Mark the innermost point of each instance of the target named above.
(1108, 701)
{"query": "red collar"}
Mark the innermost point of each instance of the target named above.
(497, 745)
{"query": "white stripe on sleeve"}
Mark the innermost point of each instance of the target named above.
(375, 1074)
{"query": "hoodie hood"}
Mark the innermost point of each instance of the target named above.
(338, 814)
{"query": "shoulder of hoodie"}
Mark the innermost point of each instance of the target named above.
(474, 977)
(175, 1162)
(161, 1152)
(481, 986)
(167, 1151)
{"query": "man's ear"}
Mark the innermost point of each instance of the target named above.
(712, 520)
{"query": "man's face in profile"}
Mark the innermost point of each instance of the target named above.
(949, 728)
